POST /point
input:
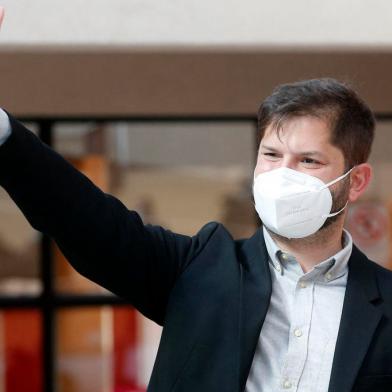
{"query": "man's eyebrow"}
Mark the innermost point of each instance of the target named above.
(302, 153)
(268, 147)
(309, 153)
(316, 154)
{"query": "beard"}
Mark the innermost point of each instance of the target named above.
(339, 201)
(340, 193)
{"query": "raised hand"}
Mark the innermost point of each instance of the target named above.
(1, 14)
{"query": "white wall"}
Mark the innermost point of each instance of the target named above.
(200, 22)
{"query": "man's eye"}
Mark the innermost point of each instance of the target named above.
(310, 161)
(270, 155)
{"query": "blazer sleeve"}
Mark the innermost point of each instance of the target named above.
(100, 237)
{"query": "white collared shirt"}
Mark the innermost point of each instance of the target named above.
(298, 338)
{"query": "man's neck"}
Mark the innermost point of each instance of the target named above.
(314, 249)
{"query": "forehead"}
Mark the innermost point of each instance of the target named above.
(300, 133)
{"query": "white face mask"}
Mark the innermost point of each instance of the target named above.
(293, 204)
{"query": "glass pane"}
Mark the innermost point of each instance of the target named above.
(180, 175)
(85, 349)
(102, 353)
(20, 351)
(369, 220)
(19, 249)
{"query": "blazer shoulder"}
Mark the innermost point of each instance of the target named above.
(384, 280)
(213, 231)
(213, 234)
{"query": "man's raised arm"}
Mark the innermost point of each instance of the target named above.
(5, 127)
(100, 237)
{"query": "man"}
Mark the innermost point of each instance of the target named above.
(296, 307)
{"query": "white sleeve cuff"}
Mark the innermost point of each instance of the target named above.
(5, 127)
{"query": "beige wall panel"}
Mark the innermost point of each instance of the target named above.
(129, 82)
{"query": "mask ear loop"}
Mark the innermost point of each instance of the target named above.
(337, 179)
(335, 213)
(334, 182)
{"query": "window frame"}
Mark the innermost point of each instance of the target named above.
(49, 301)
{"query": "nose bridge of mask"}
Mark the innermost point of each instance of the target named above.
(294, 177)
(285, 178)
(312, 183)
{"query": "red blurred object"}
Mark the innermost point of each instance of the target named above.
(22, 347)
(23, 354)
(125, 351)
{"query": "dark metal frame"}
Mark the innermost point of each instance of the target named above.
(49, 301)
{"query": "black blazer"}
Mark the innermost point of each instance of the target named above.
(209, 292)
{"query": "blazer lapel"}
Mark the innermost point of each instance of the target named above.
(255, 294)
(360, 317)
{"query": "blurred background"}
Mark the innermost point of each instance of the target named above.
(156, 102)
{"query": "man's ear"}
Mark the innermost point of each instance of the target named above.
(360, 179)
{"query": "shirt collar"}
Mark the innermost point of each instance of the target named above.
(332, 268)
